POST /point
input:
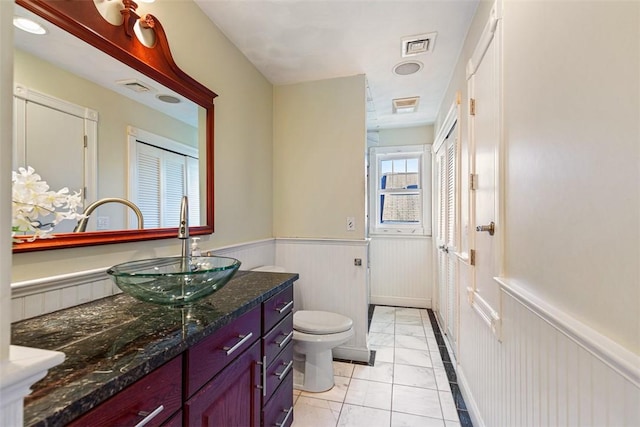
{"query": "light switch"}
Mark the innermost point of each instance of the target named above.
(103, 223)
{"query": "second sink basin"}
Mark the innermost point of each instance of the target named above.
(174, 281)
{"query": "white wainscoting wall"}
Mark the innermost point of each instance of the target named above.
(548, 370)
(401, 271)
(330, 281)
(36, 297)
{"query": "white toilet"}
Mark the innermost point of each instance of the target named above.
(315, 335)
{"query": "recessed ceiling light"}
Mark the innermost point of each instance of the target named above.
(28, 25)
(169, 98)
(407, 67)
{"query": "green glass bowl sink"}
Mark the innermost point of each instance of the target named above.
(174, 281)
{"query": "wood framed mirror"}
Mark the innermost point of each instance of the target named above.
(141, 44)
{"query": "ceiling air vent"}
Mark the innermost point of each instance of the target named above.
(135, 85)
(418, 44)
(405, 105)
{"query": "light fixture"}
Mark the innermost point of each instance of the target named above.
(169, 99)
(28, 25)
(407, 67)
(405, 105)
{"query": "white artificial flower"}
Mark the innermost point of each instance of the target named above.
(33, 203)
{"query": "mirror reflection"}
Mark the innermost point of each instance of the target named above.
(87, 122)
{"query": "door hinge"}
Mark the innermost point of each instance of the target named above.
(472, 107)
(86, 143)
(472, 257)
(473, 181)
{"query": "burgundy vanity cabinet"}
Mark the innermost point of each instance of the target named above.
(154, 399)
(223, 381)
(231, 398)
(277, 360)
(241, 375)
(207, 358)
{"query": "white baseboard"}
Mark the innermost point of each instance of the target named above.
(469, 401)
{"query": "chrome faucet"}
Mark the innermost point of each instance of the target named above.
(183, 228)
(82, 224)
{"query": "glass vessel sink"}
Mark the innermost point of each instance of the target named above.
(174, 281)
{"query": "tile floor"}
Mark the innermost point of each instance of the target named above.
(411, 383)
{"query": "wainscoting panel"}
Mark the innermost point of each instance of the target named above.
(401, 271)
(36, 297)
(330, 281)
(543, 374)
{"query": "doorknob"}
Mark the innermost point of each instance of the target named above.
(491, 228)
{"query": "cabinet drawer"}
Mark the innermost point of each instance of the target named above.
(277, 371)
(156, 396)
(278, 412)
(210, 356)
(278, 338)
(276, 308)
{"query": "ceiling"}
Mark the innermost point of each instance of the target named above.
(293, 41)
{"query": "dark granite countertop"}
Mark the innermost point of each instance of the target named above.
(113, 342)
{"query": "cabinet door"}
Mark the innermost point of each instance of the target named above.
(153, 399)
(230, 399)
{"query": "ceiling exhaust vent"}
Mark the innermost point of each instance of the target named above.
(135, 85)
(419, 44)
(405, 105)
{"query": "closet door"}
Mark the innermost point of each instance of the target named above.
(447, 301)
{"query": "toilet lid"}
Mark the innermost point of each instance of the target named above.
(320, 322)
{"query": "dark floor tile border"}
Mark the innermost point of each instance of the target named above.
(463, 414)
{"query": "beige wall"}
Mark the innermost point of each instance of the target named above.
(572, 106)
(243, 144)
(319, 146)
(115, 113)
(415, 135)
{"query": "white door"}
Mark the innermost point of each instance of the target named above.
(59, 140)
(54, 147)
(484, 124)
(447, 301)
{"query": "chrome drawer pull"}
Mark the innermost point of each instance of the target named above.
(149, 416)
(285, 340)
(285, 308)
(264, 375)
(286, 417)
(244, 339)
(287, 368)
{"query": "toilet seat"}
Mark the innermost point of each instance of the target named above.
(320, 322)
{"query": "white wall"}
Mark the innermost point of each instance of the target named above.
(330, 281)
(6, 116)
(570, 303)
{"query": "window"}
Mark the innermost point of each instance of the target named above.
(400, 190)
(161, 171)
